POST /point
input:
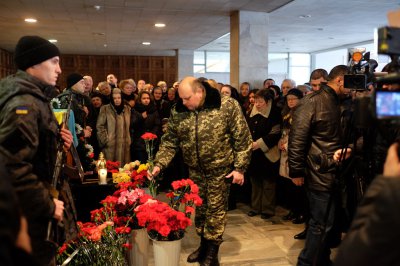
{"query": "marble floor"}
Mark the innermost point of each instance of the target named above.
(251, 241)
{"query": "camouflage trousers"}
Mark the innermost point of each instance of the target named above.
(210, 219)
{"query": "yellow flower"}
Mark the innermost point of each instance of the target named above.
(121, 177)
(142, 167)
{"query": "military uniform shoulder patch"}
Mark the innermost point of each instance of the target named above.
(21, 110)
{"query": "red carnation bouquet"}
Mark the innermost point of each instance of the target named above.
(149, 139)
(129, 197)
(112, 167)
(184, 192)
(100, 241)
(164, 222)
(161, 221)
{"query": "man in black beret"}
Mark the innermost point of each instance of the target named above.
(29, 133)
(80, 102)
(80, 106)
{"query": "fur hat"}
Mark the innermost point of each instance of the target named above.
(73, 78)
(33, 50)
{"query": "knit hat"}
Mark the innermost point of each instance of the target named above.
(296, 92)
(73, 78)
(33, 50)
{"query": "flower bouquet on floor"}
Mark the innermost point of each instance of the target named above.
(100, 242)
(164, 222)
(149, 139)
(130, 197)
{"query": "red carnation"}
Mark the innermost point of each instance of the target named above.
(148, 136)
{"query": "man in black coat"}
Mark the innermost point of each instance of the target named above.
(314, 150)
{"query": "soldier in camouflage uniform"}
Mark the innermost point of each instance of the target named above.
(28, 136)
(216, 144)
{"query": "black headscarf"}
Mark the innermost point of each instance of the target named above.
(120, 107)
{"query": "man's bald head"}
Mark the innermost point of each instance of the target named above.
(191, 91)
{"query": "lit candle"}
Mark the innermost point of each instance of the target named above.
(102, 169)
(102, 176)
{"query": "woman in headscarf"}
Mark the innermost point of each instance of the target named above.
(113, 129)
(144, 118)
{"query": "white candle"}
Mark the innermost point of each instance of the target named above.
(102, 176)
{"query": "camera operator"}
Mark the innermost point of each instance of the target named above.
(381, 133)
(315, 143)
(373, 238)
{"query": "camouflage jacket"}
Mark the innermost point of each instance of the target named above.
(28, 134)
(214, 136)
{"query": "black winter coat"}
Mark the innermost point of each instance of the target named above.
(314, 137)
(265, 129)
(373, 238)
(140, 125)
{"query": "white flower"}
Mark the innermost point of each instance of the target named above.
(78, 129)
(89, 148)
(55, 103)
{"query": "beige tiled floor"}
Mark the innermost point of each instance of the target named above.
(251, 241)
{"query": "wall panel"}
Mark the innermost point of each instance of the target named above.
(150, 68)
(6, 63)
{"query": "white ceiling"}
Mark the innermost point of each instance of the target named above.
(120, 26)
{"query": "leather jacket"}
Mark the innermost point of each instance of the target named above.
(314, 137)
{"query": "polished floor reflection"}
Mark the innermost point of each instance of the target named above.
(251, 241)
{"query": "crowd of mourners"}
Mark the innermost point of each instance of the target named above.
(114, 115)
(117, 114)
(282, 145)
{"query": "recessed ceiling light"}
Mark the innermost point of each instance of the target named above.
(97, 7)
(159, 25)
(305, 16)
(31, 20)
(146, 43)
(53, 40)
(105, 45)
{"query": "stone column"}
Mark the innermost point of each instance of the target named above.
(185, 63)
(249, 48)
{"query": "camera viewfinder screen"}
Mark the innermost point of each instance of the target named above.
(387, 104)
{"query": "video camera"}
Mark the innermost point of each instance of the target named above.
(361, 70)
(387, 100)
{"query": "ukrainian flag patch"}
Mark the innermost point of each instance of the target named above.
(21, 110)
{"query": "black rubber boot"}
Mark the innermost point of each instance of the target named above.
(211, 258)
(200, 253)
